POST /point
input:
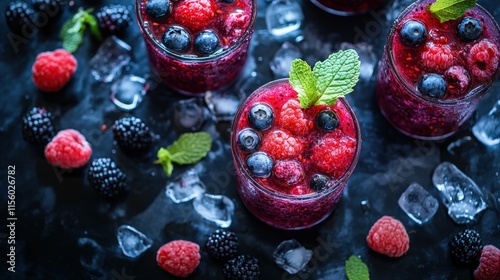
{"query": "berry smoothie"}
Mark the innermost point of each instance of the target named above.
(432, 74)
(292, 164)
(195, 46)
(348, 7)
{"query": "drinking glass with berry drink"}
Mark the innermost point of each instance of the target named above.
(295, 143)
(195, 46)
(437, 64)
(348, 7)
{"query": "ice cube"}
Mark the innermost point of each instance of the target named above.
(487, 128)
(418, 204)
(366, 56)
(111, 57)
(185, 187)
(91, 253)
(292, 256)
(283, 17)
(132, 242)
(189, 115)
(460, 146)
(459, 193)
(282, 60)
(128, 90)
(216, 208)
(223, 105)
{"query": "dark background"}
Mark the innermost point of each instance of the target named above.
(56, 209)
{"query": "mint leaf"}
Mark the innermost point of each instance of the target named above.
(91, 21)
(303, 81)
(73, 29)
(356, 269)
(446, 10)
(165, 160)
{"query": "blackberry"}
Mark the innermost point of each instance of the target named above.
(106, 178)
(19, 16)
(242, 267)
(465, 246)
(132, 134)
(113, 19)
(222, 245)
(319, 182)
(37, 126)
(52, 8)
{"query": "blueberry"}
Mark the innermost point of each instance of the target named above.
(432, 85)
(319, 182)
(206, 42)
(261, 116)
(413, 33)
(326, 120)
(158, 9)
(469, 29)
(260, 164)
(177, 39)
(248, 140)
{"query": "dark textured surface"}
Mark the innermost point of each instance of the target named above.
(57, 210)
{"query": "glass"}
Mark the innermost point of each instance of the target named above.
(295, 208)
(192, 74)
(348, 7)
(402, 68)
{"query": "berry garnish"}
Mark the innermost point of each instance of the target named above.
(177, 39)
(288, 172)
(457, 79)
(222, 245)
(388, 236)
(242, 267)
(469, 29)
(281, 145)
(248, 140)
(413, 33)
(195, 15)
(106, 178)
(292, 118)
(68, 149)
(260, 116)
(489, 264)
(179, 257)
(19, 16)
(53, 70)
(437, 57)
(113, 19)
(158, 9)
(260, 164)
(432, 85)
(465, 246)
(318, 182)
(37, 126)
(326, 120)
(332, 154)
(483, 59)
(132, 134)
(206, 42)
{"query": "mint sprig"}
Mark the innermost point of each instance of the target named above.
(188, 149)
(327, 81)
(446, 10)
(356, 269)
(73, 29)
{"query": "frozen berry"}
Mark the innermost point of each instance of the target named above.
(106, 178)
(222, 245)
(260, 116)
(333, 154)
(292, 118)
(248, 140)
(281, 145)
(37, 126)
(206, 42)
(489, 264)
(53, 70)
(326, 120)
(177, 39)
(432, 85)
(469, 29)
(158, 9)
(113, 19)
(437, 57)
(19, 16)
(388, 236)
(195, 15)
(457, 79)
(482, 60)
(288, 172)
(179, 257)
(413, 33)
(242, 267)
(465, 246)
(68, 149)
(132, 134)
(319, 182)
(260, 164)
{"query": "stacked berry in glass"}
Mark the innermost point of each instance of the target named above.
(196, 45)
(433, 73)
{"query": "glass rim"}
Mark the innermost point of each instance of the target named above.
(472, 94)
(148, 36)
(315, 195)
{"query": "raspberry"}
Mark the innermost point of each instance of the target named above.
(280, 145)
(106, 178)
(52, 70)
(465, 246)
(179, 257)
(301, 190)
(437, 58)
(68, 149)
(388, 237)
(333, 154)
(222, 245)
(482, 60)
(37, 126)
(195, 15)
(489, 264)
(132, 134)
(242, 267)
(457, 79)
(113, 19)
(292, 117)
(288, 172)
(236, 23)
